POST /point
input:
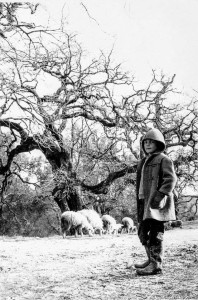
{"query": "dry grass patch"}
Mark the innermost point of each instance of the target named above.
(95, 268)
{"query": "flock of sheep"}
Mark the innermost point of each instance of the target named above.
(91, 222)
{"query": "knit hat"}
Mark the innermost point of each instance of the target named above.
(156, 135)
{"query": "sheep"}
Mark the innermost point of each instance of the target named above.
(173, 224)
(108, 223)
(128, 225)
(177, 223)
(94, 219)
(117, 228)
(72, 219)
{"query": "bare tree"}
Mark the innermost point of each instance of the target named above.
(89, 125)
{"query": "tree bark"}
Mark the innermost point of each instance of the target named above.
(67, 198)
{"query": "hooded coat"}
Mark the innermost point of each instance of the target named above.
(159, 180)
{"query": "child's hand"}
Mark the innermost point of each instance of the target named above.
(158, 197)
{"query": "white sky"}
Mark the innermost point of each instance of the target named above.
(146, 34)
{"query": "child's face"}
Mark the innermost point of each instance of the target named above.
(150, 146)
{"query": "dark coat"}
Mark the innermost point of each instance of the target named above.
(159, 180)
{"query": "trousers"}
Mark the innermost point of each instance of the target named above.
(151, 232)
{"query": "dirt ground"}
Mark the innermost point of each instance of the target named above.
(96, 268)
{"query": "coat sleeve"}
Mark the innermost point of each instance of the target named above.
(140, 203)
(168, 177)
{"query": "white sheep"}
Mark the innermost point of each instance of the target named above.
(108, 223)
(117, 228)
(128, 225)
(93, 218)
(72, 219)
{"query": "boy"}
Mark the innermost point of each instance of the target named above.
(156, 180)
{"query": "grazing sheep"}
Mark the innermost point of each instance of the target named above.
(128, 225)
(94, 219)
(135, 230)
(117, 228)
(177, 223)
(108, 223)
(72, 219)
(173, 224)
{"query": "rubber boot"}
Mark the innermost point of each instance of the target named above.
(146, 263)
(156, 258)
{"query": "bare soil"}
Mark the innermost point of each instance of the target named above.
(96, 267)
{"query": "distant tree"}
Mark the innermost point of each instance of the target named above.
(89, 124)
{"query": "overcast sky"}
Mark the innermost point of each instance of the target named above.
(146, 34)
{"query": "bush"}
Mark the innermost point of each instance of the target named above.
(37, 217)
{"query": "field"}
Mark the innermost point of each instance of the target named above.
(96, 268)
